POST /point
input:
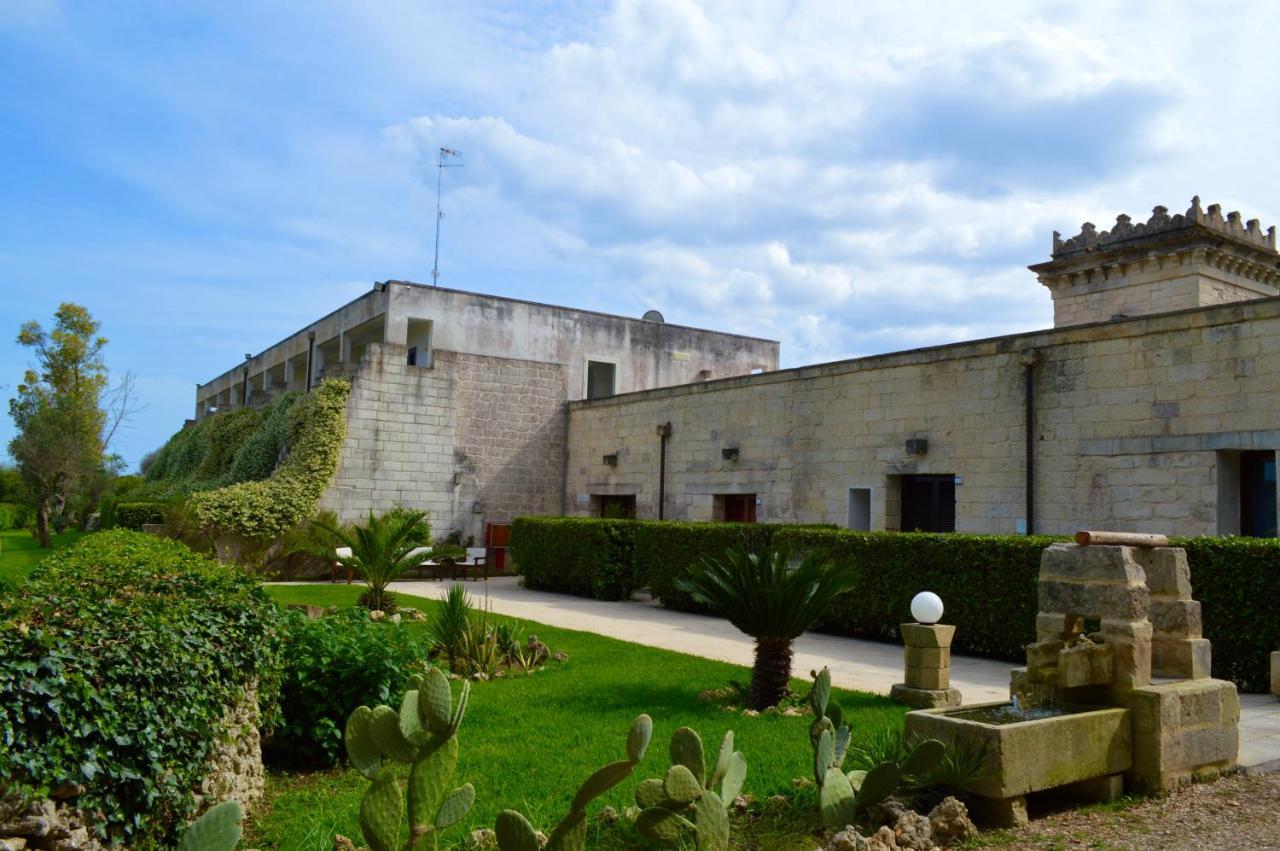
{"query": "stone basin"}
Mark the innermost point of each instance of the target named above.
(1073, 744)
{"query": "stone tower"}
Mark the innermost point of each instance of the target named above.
(1193, 259)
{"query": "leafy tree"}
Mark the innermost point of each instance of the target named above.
(381, 550)
(61, 413)
(765, 597)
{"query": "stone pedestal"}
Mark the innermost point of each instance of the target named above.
(1178, 649)
(927, 668)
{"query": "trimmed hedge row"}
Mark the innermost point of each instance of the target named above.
(987, 581)
(134, 515)
(609, 559)
(118, 658)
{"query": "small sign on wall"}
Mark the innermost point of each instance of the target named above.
(959, 480)
(584, 498)
(1020, 526)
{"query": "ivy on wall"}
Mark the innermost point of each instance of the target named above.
(313, 429)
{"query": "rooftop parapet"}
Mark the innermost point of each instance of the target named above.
(1124, 231)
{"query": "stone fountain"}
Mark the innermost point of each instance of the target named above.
(1116, 693)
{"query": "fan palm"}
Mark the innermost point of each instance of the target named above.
(763, 595)
(381, 550)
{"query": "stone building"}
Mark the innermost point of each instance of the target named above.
(458, 403)
(1153, 404)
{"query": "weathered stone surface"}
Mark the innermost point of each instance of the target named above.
(1182, 658)
(1034, 755)
(1001, 812)
(1176, 618)
(1116, 600)
(1131, 651)
(934, 635)
(1275, 673)
(1181, 728)
(1085, 665)
(950, 822)
(1097, 790)
(1167, 570)
(928, 657)
(1101, 564)
(913, 832)
(924, 698)
(934, 679)
(13, 843)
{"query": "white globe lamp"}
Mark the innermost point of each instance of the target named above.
(926, 607)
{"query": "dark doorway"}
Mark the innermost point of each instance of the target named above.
(1258, 494)
(736, 507)
(929, 503)
(618, 507)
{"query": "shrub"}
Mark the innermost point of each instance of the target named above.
(314, 429)
(134, 515)
(14, 515)
(988, 583)
(608, 559)
(1237, 581)
(587, 557)
(117, 659)
(332, 665)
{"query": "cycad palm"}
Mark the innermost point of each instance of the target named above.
(381, 550)
(765, 597)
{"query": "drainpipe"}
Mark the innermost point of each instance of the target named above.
(664, 432)
(564, 466)
(311, 351)
(1030, 358)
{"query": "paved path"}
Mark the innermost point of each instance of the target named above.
(855, 663)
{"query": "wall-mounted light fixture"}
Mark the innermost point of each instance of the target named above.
(917, 446)
(611, 459)
(729, 453)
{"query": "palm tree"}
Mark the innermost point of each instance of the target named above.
(382, 549)
(765, 597)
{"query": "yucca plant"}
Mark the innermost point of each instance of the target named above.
(381, 550)
(765, 596)
(452, 622)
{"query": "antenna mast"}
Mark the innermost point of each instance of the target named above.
(441, 166)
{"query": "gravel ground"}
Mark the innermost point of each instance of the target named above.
(1241, 812)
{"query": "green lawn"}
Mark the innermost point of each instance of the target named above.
(20, 552)
(527, 743)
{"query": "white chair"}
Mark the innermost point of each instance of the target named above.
(335, 566)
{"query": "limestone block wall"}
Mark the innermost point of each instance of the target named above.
(468, 439)
(1131, 421)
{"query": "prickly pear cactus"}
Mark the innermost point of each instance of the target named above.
(844, 796)
(217, 830)
(514, 831)
(423, 734)
(829, 736)
(689, 798)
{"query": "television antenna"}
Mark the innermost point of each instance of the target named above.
(445, 153)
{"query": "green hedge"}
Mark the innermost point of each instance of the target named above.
(134, 515)
(1237, 581)
(986, 582)
(608, 559)
(571, 555)
(14, 515)
(117, 659)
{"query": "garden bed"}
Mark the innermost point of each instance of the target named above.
(529, 741)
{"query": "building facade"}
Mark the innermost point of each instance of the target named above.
(458, 402)
(1153, 404)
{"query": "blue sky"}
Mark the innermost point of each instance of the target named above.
(207, 177)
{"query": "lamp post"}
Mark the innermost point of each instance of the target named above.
(927, 668)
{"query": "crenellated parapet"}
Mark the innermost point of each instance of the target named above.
(1090, 238)
(1169, 262)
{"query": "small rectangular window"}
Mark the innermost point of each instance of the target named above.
(601, 377)
(860, 509)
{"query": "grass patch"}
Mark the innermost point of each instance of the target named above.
(528, 742)
(20, 552)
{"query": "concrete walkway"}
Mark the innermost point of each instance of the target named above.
(855, 663)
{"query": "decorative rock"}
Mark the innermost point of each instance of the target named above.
(481, 839)
(913, 831)
(608, 815)
(342, 843)
(847, 840)
(950, 822)
(13, 843)
(883, 840)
